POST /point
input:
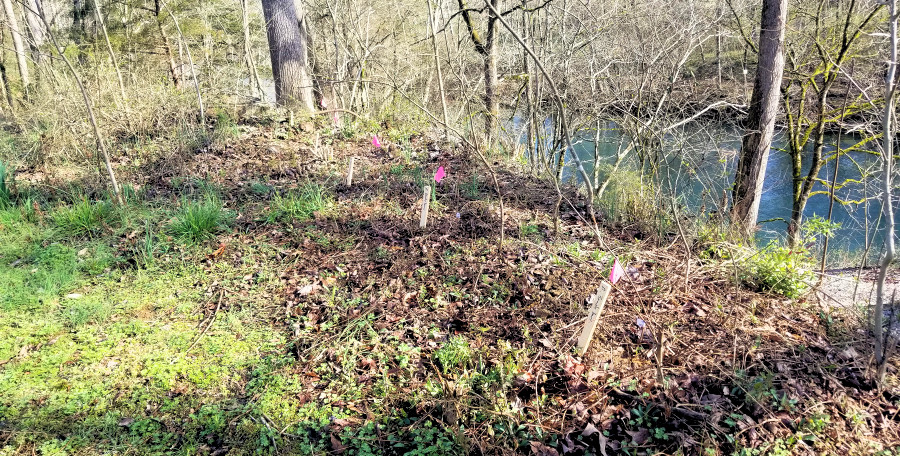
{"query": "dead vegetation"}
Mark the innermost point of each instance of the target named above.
(442, 340)
(679, 365)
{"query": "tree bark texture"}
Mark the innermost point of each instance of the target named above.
(287, 49)
(882, 349)
(760, 125)
(167, 45)
(18, 45)
(35, 28)
(486, 47)
(256, 88)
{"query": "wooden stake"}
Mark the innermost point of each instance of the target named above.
(426, 200)
(291, 119)
(350, 171)
(598, 301)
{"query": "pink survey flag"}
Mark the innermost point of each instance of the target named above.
(337, 119)
(616, 273)
(375, 142)
(440, 175)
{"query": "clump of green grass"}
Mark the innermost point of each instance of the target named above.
(299, 204)
(260, 189)
(629, 198)
(529, 230)
(225, 128)
(84, 310)
(97, 259)
(44, 273)
(84, 218)
(455, 353)
(200, 220)
(148, 247)
(472, 189)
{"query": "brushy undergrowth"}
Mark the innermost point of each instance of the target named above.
(781, 270)
(773, 269)
(631, 199)
(113, 343)
(454, 354)
(787, 271)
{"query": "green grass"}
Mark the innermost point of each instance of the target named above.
(34, 266)
(38, 277)
(225, 128)
(471, 188)
(200, 220)
(298, 204)
(101, 372)
(79, 311)
(83, 218)
(37, 266)
(529, 230)
(95, 357)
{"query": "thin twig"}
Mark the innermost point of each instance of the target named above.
(211, 320)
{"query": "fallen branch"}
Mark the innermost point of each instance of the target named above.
(211, 321)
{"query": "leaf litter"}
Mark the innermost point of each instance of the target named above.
(740, 368)
(360, 280)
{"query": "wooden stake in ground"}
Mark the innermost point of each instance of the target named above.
(350, 171)
(598, 301)
(426, 200)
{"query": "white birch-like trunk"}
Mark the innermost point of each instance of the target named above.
(882, 348)
(18, 45)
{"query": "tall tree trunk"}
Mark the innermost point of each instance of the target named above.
(487, 48)
(35, 29)
(882, 346)
(440, 74)
(112, 55)
(79, 15)
(529, 91)
(7, 91)
(306, 37)
(760, 125)
(719, 11)
(78, 32)
(13, 24)
(287, 49)
(803, 185)
(167, 45)
(491, 82)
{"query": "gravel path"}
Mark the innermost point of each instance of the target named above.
(841, 288)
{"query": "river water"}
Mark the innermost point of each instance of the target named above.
(699, 163)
